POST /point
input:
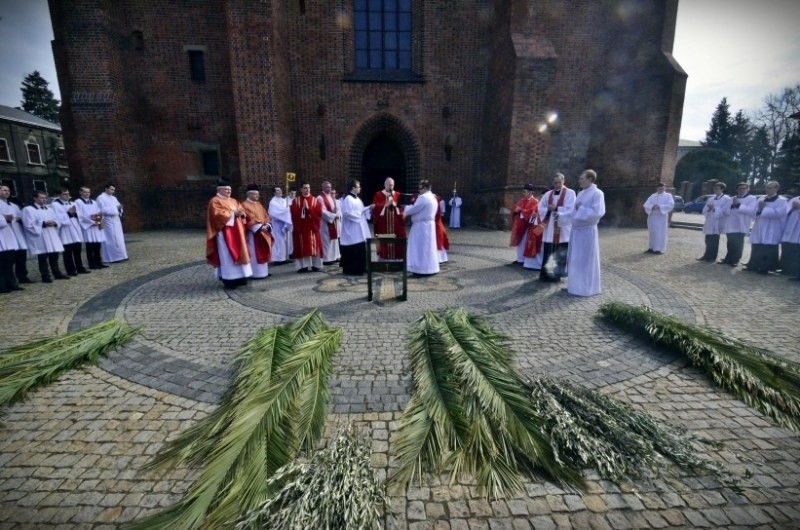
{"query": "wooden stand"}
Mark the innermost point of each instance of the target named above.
(397, 265)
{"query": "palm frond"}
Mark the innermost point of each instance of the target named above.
(468, 409)
(335, 488)
(277, 401)
(590, 429)
(757, 376)
(26, 367)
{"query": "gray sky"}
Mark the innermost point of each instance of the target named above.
(739, 49)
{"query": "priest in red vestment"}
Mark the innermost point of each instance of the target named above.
(259, 232)
(306, 216)
(226, 246)
(524, 212)
(387, 216)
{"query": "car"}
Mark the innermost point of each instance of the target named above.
(696, 205)
(678, 203)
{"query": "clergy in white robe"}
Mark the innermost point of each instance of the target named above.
(41, 228)
(13, 216)
(716, 211)
(91, 220)
(329, 225)
(583, 256)
(737, 225)
(790, 241)
(355, 232)
(113, 248)
(69, 230)
(455, 210)
(226, 245)
(8, 247)
(658, 206)
(422, 257)
(767, 231)
(281, 219)
(555, 239)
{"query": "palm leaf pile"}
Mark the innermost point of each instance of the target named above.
(469, 411)
(757, 376)
(335, 488)
(590, 429)
(29, 366)
(274, 407)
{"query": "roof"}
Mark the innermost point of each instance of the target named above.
(20, 116)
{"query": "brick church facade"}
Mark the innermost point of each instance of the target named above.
(163, 97)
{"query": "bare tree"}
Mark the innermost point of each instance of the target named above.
(774, 117)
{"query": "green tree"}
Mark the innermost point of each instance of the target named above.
(38, 99)
(720, 133)
(761, 152)
(706, 164)
(787, 164)
(742, 132)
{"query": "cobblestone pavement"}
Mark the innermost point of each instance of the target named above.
(69, 454)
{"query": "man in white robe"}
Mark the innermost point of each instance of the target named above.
(716, 211)
(767, 231)
(737, 225)
(455, 210)
(281, 219)
(8, 248)
(329, 225)
(583, 256)
(91, 220)
(555, 239)
(41, 227)
(226, 242)
(422, 257)
(113, 248)
(13, 216)
(355, 232)
(69, 230)
(658, 206)
(790, 241)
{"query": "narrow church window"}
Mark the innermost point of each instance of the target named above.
(34, 156)
(197, 65)
(61, 157)
(210, 162)
(383, 34)
(5, 154)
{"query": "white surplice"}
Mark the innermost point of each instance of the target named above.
(41, 239)
(716, 211)
(455, 212)
(69, 229)
(422, 257)
(281, 219)
(8, 207)
(658, 206)
(86, 210)
(113, 248)
(768, 228)
(8, 241)
(583, 256)
(330, 214)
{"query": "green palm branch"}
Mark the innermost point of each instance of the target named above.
(590, 429)
(29, 366)
(759, 377)
(469, 411)
(275, 405)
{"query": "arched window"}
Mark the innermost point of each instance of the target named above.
(382, 34)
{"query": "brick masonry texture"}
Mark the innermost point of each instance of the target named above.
(280, 80)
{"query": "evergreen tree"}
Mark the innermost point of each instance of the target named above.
(761, 153)
(741, 133)
(705, 164)
(720, 133)
(38, 99)
(787, 164)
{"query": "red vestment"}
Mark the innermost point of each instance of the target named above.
(306, 216)
(218, 214)
(262, 240)
(388, 219)
(533, 243)
(520, 220)
(442, 241)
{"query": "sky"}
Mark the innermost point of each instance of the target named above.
(740, 49)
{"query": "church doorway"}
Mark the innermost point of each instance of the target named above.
(383, 157)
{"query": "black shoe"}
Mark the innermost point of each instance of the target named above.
(83, 271)
(61, 277)
(47, 280)
(648, 251)
(315, 269)
(301, 271)
(25, 280)
(102, 266)
(72, 274)
(657, 252)
(328, 262)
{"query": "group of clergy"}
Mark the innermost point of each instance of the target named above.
(557, 233)
(60, 228)
(772, 221)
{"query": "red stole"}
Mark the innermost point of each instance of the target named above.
(330, 205)
(556, 229)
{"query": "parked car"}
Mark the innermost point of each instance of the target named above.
(678, 203)
(696, 205)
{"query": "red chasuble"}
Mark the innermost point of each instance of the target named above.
(521, 220)
(262, 240)
(219, 213)
(535, 234)
(306, 216)
(388, 219)
(442, 241)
